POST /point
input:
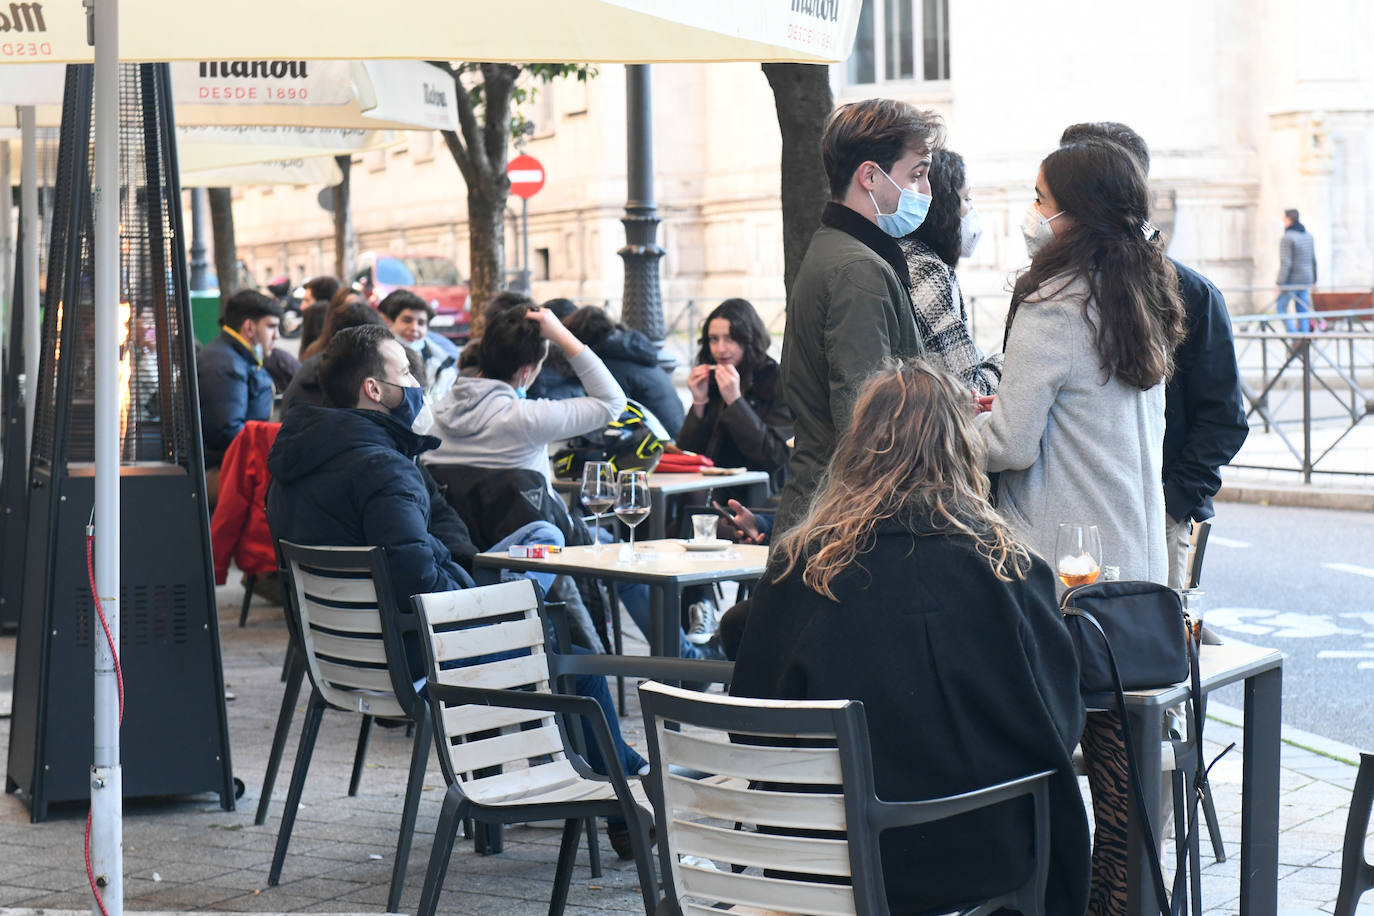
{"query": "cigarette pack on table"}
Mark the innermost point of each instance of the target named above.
(533, 551)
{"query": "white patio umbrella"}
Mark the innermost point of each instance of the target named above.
(607, 31)
(625, 31)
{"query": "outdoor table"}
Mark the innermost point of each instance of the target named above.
(1262, 671)
(663, 485)
(666, 566)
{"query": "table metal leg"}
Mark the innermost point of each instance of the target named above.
(1259, 800)
(1147, 733)
(658, 514)
(665, 610)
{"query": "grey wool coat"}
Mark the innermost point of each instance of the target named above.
(1073, 446)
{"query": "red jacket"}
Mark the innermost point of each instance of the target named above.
(238, 530)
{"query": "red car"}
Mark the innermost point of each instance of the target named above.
(431, 277)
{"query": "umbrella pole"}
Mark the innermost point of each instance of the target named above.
(28, 209)
(107, 863)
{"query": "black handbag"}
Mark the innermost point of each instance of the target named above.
(1145, 621)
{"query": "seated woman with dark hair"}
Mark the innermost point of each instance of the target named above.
(902, 588)
(738, 418)
(633, 360)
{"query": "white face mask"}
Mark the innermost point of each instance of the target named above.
(1036, 229)
(970, 231)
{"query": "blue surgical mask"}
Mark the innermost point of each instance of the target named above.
(417, 345)
(911, 211)
(257, 353)
(520, 392)
(412, 400)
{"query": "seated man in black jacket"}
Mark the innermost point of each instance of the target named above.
(346, 476)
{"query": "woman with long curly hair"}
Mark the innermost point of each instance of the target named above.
(901, 587)
(950, 231)
(1077, 429)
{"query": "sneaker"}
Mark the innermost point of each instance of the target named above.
(702, 617)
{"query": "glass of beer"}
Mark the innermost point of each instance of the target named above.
(1078, 554)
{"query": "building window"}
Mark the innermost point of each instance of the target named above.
(541, 264)
(900, 41)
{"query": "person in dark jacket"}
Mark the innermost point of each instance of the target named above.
(737, 418)
(346, 476)
(901, 588)
(1297, 272)
(849, 307)
(557, 381)
(1204, 409)
(633, 361)
(234, 387)
(305, 386)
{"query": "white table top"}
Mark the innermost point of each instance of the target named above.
(657, 561)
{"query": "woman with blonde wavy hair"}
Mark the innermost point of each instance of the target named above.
(903, 589)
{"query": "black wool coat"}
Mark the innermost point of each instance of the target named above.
(966, 681)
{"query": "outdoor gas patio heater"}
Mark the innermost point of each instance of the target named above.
(175, 736)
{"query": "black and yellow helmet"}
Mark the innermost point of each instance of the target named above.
(632, 442)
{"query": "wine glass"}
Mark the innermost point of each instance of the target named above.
(598, 494)
(632, 501)
(1078, 554)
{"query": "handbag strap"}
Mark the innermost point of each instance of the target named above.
(1133, 770)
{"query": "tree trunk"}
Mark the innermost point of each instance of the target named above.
(226, 252)
(486, 248)
(801, 94)
(343, 221)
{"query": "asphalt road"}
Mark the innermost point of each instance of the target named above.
(1300, 580)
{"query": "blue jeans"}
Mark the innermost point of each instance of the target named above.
(533, 533)
(1302, 299)
(635, 597)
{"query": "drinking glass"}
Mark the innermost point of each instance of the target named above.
(632, 501)
(598, 494)
(1078, 554)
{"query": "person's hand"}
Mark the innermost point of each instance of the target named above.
(727, 380)
(983, 403)
(738, 523)
(698, 382)
(551, 329)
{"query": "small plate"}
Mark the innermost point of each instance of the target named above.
(713, 544)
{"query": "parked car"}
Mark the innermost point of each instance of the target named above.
(431, 277)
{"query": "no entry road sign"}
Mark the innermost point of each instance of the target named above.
(526, 176)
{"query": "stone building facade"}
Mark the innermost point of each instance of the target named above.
(1250, 107)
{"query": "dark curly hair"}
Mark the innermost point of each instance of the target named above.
(510, 342)
(746, 328)
(941, 227)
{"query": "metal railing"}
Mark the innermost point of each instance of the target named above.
(1311, 390)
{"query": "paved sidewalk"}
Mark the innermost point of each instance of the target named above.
(189, 855)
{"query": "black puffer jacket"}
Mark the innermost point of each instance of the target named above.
(348, 478)
(633, 361)
(751, 433)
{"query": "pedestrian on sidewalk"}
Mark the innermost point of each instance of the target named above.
(849, 307)
(1204, 410)
(1297, 272)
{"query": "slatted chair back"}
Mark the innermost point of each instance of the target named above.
(492, 638)
(763, 779)
(346, 624)
(800, 774)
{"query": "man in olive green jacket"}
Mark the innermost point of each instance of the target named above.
(849, 308)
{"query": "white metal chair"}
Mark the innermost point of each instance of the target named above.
(350, 637)
(504, 744)
(824, 756)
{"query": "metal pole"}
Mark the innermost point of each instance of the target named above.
(107, 862)
(199, 266)
(6, 251)
(28, 198)
(525, 275)
(643, 300)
